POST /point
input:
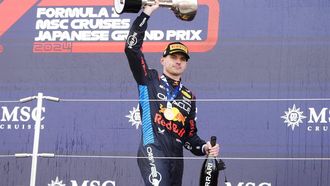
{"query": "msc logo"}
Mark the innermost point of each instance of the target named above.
(135, 117)
(249, 184)
(20, 114)
(58, 182)
(316, 119)
(93, 183)
(293, 117)
(11, 117)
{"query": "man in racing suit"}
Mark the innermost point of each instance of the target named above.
(167, 110)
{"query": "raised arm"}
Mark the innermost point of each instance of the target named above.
(134, 43)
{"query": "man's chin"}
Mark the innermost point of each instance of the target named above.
(177, 73)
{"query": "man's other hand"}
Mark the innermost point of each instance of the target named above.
(211, 151)
(148, 9)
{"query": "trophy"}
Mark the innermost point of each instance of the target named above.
(183, 9)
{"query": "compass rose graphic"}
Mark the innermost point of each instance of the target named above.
(293, 117)
(134, 117)
(57, 182)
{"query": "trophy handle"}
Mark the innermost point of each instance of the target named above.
(162, 3)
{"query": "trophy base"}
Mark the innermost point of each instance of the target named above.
(127, 6)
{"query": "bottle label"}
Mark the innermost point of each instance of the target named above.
(208, 173)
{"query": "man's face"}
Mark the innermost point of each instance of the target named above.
(174, 64)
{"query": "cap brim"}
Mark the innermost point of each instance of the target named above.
(181, 52)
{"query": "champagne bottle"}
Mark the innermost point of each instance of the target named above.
(210, 171)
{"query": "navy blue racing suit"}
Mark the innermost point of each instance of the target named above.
(163, 135)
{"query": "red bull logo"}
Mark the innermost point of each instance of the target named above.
(170, 126)
(173, 114)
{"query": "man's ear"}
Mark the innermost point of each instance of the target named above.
(162, 60)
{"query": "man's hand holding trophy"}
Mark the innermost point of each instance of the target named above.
(183, 9)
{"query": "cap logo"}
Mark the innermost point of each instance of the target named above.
(179, 46)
